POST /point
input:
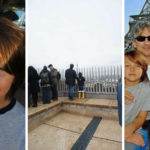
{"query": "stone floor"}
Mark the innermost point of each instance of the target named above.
(62, 131)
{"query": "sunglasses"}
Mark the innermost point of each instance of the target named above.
(142, 38)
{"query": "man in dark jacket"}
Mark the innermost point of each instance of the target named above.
(70, 76)
(46, 82)
(54, 79)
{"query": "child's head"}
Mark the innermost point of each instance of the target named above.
(12, 56)
(80, 74)
(135, 66)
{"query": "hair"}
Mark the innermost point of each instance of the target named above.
(139, 27)
(138, 58)
(137, 30)
(71, 66)
(45, 67)
(31, 70)
(12, 53)
(50, 65)
(80, 74)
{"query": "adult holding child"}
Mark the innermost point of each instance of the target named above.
(141, 43)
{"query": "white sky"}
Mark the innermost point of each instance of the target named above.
(83, 32)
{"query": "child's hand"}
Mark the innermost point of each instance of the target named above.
(137, 139)
(129, 98)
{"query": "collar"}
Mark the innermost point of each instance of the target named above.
(8, 107)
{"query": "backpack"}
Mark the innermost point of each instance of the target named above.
(45, 77)
(58, 76)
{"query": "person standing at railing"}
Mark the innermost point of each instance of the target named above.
(81, 81)
(54, 73)
(33, 85)
(46, 82)
(70, 76)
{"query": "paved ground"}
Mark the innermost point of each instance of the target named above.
(63, 130)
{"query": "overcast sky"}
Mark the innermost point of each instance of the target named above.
(83, 32)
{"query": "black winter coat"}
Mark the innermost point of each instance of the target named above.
(81, 81)
(70, 76)
(33, 80)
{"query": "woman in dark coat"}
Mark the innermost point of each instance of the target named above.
(33, 85)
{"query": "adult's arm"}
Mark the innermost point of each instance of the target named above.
(137, 123)
(66, 74)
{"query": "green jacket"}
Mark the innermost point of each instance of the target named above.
(54, 76)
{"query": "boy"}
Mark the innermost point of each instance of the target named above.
(12, 68)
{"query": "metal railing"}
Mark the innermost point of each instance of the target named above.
(99, 80)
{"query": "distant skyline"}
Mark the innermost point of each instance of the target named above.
(132, 7)
(83, 32)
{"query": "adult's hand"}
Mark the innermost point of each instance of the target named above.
(129, 98)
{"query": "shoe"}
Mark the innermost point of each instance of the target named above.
(55, 99)
(35, 105)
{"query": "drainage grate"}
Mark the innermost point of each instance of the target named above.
(87, 134)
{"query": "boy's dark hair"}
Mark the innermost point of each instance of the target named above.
(80, 74)
(12, 53)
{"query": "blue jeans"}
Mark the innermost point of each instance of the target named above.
(46, 95)
(130, 146)
(71, 91)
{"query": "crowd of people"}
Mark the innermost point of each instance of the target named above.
(49, 77)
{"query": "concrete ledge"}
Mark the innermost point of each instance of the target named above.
(91, 105)
(46, 108)
(88, 107)
(39, 118)
(89, 111)
(94, 103)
